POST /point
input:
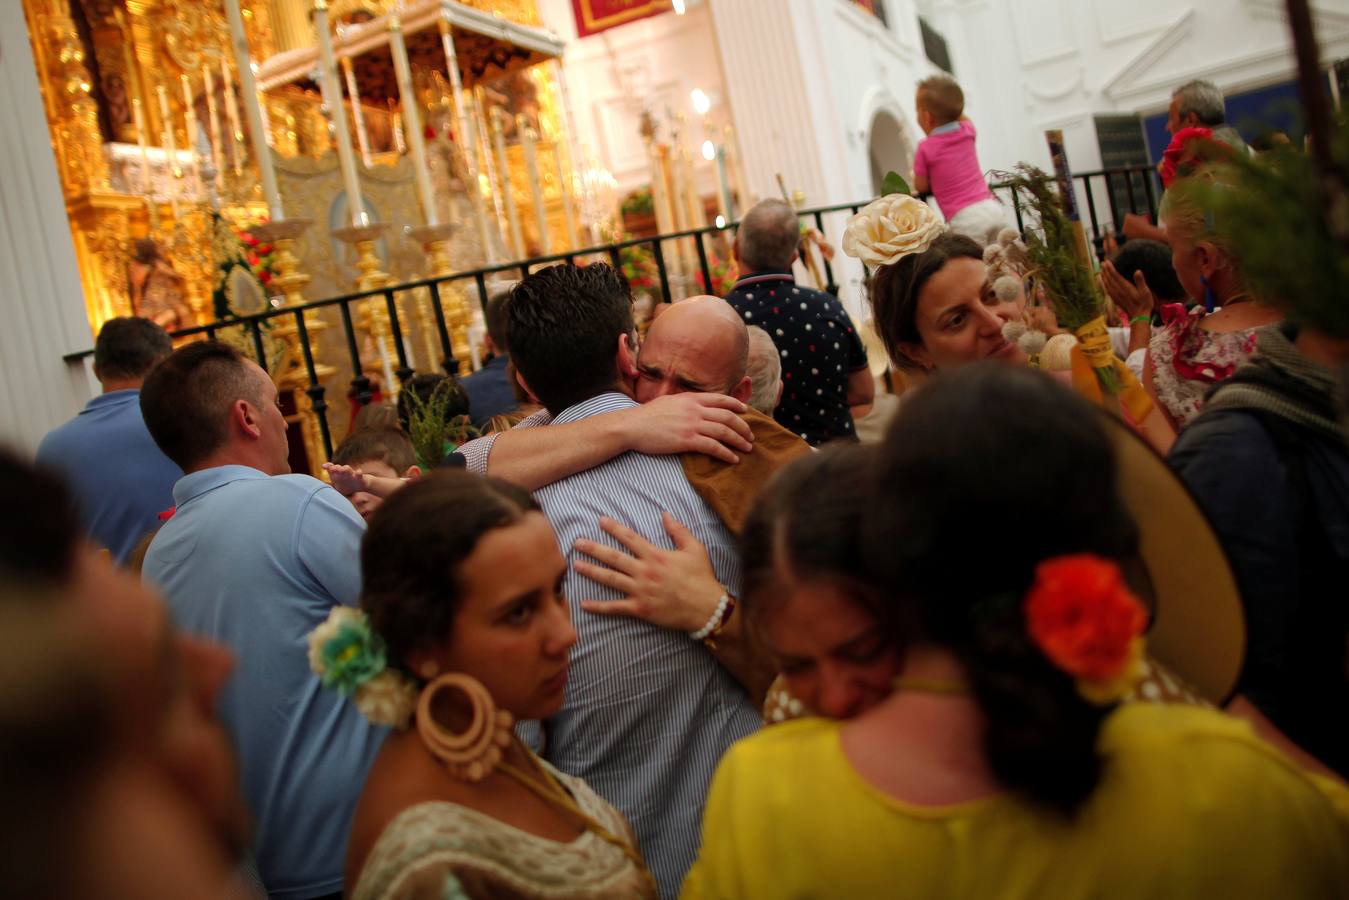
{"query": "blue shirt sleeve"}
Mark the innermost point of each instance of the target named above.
(328, 544)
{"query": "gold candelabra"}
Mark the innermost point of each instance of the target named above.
(435, 240)
(292, 374)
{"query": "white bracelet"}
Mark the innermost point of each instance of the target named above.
(712, 623)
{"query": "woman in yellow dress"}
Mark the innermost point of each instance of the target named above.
(1001, 766)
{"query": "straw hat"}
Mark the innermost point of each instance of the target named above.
(1198, 627)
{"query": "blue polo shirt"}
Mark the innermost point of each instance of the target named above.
(489, 391)
(121, 480)
(256, 563)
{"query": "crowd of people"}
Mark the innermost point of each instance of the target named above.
(646, 619)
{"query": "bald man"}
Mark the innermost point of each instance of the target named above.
(698, 345)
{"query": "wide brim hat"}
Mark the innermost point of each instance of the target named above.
(1182, 573)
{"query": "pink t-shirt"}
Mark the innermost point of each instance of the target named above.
(947, 159)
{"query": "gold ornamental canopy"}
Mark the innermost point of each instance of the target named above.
(486, 45)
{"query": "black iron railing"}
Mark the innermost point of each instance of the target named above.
(1120, 189)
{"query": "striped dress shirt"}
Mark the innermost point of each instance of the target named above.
(648, 711)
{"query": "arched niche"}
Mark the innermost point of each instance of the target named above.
(889, 148)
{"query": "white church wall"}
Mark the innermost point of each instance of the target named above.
(41, 301)
(1032, 65)
(652, 63)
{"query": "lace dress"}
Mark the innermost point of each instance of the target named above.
(444, 851)
(1187, 360)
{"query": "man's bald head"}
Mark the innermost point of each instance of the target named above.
(768, 236)
(699, 344)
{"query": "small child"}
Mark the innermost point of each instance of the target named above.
(378, 458)
(946, 162)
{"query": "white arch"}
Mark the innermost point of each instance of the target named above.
(886, 134)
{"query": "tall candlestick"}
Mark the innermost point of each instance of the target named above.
(407, 98)
(169, 143)
(332, 96)
(232, 108)
(190, 124)
(357, 114)
(253, 110)
(526, 134)
(512, 215)
(723, 186)
(213, 113)
(139, 115)
(564, 187)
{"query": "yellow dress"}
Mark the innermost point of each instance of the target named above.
(1192, 805)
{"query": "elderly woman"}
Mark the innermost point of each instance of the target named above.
(1000, 763)
(1195, 350)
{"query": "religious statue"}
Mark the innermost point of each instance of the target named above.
(157, 290)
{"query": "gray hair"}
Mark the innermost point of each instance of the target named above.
(769, 235)
(1204, 100)
(764, 370)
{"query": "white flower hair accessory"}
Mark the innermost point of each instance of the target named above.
(349, 657)
(890, 228)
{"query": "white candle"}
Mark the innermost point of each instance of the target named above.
(357, 114)
(467, 138)
(232, 109)
(253, 109)
(190, 124)
(526, 135)
(332, 96)
(512, 215)
(139, 115)
(407, 97)
(213, 113)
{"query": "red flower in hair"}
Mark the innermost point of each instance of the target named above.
(1189, 148)
(1083, 617)
(429, 132)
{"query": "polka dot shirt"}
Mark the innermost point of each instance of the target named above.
(819, 350)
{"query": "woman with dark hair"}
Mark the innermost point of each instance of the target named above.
(936, 308)
(1001, 764)
(463, 629)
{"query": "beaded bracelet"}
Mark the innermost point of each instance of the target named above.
(716, 620)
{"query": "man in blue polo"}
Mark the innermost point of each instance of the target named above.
(825, 379)
(255, 558)
(120, 479)
(490, 391)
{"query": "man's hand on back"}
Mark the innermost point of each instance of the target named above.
(690, 423)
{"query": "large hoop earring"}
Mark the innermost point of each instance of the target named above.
(472, 754)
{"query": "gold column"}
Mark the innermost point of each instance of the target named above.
(291, 26)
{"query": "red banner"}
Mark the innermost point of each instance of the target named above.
(594, 16)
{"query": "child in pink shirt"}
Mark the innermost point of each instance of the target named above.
(948, 165)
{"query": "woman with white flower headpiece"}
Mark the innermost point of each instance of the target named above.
(933, 302)
(463, 630)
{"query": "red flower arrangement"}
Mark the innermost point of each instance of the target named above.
(1189, 149)
(260, 256)
(1083, 617)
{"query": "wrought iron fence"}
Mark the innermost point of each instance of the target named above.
(1120, 189)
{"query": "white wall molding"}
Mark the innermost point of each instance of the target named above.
(1127, 79)
(1116, 23)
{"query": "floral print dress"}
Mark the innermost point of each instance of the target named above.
(1187, 359)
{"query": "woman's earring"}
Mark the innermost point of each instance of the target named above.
(1208, 294)
(473, 753)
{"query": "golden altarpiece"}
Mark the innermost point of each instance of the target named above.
(147, 115)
